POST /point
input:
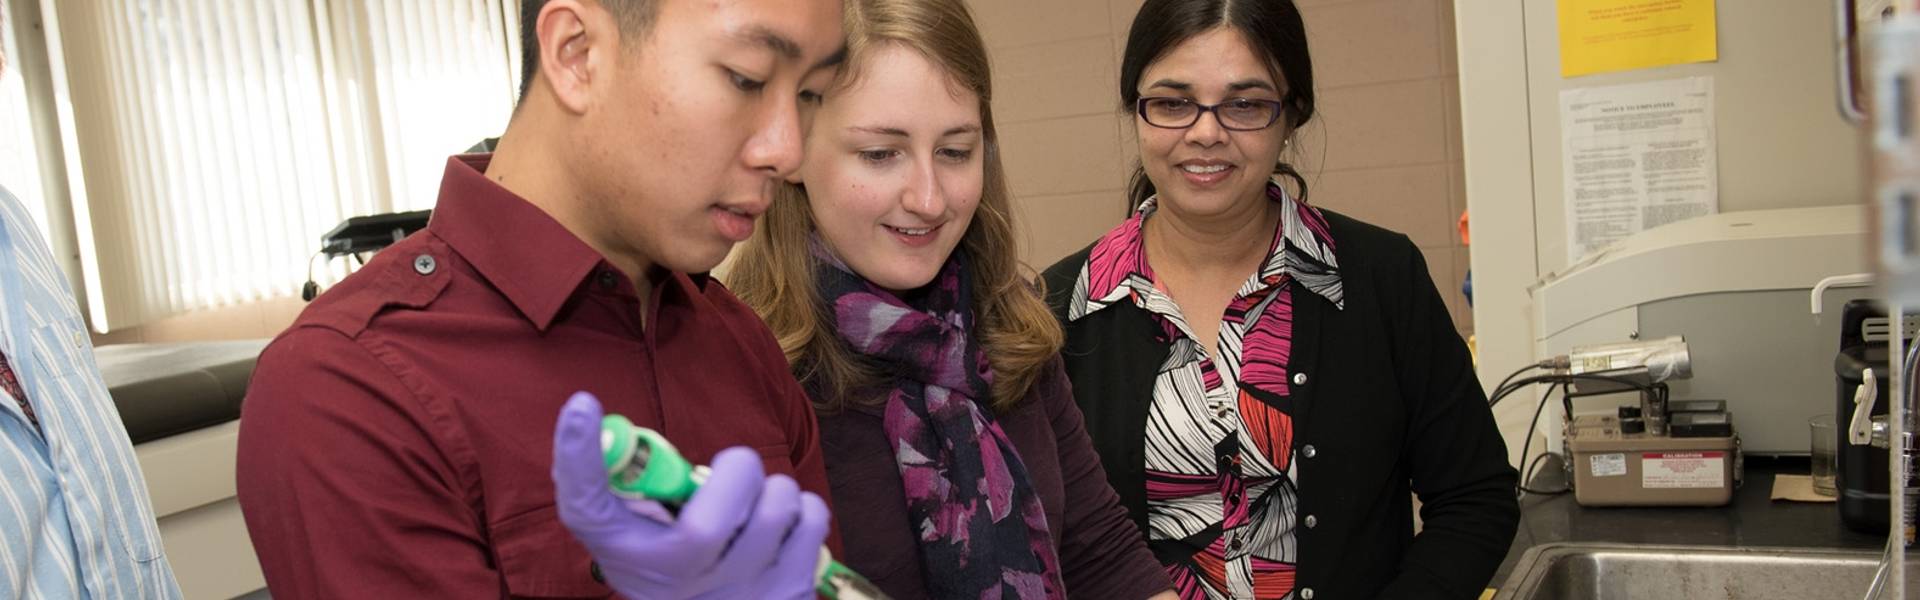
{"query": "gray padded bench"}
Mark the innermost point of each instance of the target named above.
(163, 390)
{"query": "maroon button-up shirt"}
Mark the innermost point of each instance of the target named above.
(396, 441)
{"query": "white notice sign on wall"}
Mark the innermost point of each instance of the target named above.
(1635, 157)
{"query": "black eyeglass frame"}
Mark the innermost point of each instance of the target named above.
(1279, 110)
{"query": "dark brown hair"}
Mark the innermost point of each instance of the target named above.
(635, 17)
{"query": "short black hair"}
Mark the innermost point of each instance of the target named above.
(635, 17)
(1273, 27)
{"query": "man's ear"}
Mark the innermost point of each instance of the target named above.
(570, 35)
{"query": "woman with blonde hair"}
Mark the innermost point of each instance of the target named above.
(958, 464)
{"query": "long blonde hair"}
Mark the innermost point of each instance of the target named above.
(774, 270)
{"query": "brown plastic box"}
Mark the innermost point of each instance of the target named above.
(1611, 468)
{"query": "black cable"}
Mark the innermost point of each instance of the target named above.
(1508, 387)
(311, 289)
(1569, 378)
(1494, 397)
(1527, 446)
(1553, 380)
(1531, 468)
(1557, 379)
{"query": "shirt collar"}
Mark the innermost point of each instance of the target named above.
(1302, 250)
(517, 247)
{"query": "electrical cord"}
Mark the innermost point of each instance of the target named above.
(311, 289)
(1567, 379)
(1495, 396)
(1553, 380)
(1532, 468)
(1526, 475)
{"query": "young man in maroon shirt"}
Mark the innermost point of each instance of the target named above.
(396, 441)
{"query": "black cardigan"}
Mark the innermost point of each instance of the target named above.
(1389, 405)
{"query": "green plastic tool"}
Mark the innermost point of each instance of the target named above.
(642, 465)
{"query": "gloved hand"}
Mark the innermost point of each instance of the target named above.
(741, 535)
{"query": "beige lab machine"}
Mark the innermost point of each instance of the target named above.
(1656, 453)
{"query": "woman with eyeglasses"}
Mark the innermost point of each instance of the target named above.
(1268, 384)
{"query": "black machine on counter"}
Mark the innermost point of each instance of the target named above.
(1862, 370)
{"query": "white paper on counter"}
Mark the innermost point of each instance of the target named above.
(1635, 157)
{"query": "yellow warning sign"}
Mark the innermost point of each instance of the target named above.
(1600, 36)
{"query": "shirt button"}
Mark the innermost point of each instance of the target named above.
(607, 280)
(1306, 593)
(598, 577)
(1299, 378)
(1309, 451)
(1312, 521)
(425, 264)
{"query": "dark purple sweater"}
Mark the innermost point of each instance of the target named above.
(1102, 554)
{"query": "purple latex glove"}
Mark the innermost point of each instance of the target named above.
(742, 535)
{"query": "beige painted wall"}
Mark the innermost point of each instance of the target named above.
(255, 320)
(1385, 147)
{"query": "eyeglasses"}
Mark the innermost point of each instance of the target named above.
(1235, 114)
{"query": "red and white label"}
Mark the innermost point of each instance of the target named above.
(1682, 470)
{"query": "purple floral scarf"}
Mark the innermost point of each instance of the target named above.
(982, 531)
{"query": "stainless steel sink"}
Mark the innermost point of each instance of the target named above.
(1575, 571)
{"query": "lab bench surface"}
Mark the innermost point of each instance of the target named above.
(1752, 518)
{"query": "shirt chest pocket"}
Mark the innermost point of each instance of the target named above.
(78, 414)
(539, 559)
(64, 369)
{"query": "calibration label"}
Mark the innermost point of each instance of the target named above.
(1608, 465)
(1683, 470)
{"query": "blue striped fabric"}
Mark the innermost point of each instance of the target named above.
(75, 521)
